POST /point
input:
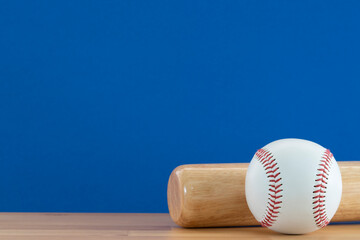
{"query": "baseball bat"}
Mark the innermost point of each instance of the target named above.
(213, 195)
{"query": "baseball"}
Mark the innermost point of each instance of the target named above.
(293, 186)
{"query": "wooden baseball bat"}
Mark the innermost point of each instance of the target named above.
(213, 195)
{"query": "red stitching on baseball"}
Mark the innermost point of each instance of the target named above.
(275, 181)
(324, 171)
(269, 163)
(321, 219)
(321, 175)
(273, 173)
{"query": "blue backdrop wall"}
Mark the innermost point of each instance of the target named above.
(100, 100)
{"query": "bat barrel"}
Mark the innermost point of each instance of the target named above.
(175, 196)
(213, 195)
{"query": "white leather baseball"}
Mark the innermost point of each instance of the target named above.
(293, 186)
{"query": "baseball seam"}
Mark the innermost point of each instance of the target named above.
(320, 216)
(273, 173)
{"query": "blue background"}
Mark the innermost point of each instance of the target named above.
(100, 100)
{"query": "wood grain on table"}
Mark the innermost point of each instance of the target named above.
(130, 226)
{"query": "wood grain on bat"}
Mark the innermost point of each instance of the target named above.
(213, 195)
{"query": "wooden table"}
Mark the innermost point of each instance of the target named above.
(69, 226)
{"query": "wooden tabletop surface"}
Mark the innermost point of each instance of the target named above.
(129, 226)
